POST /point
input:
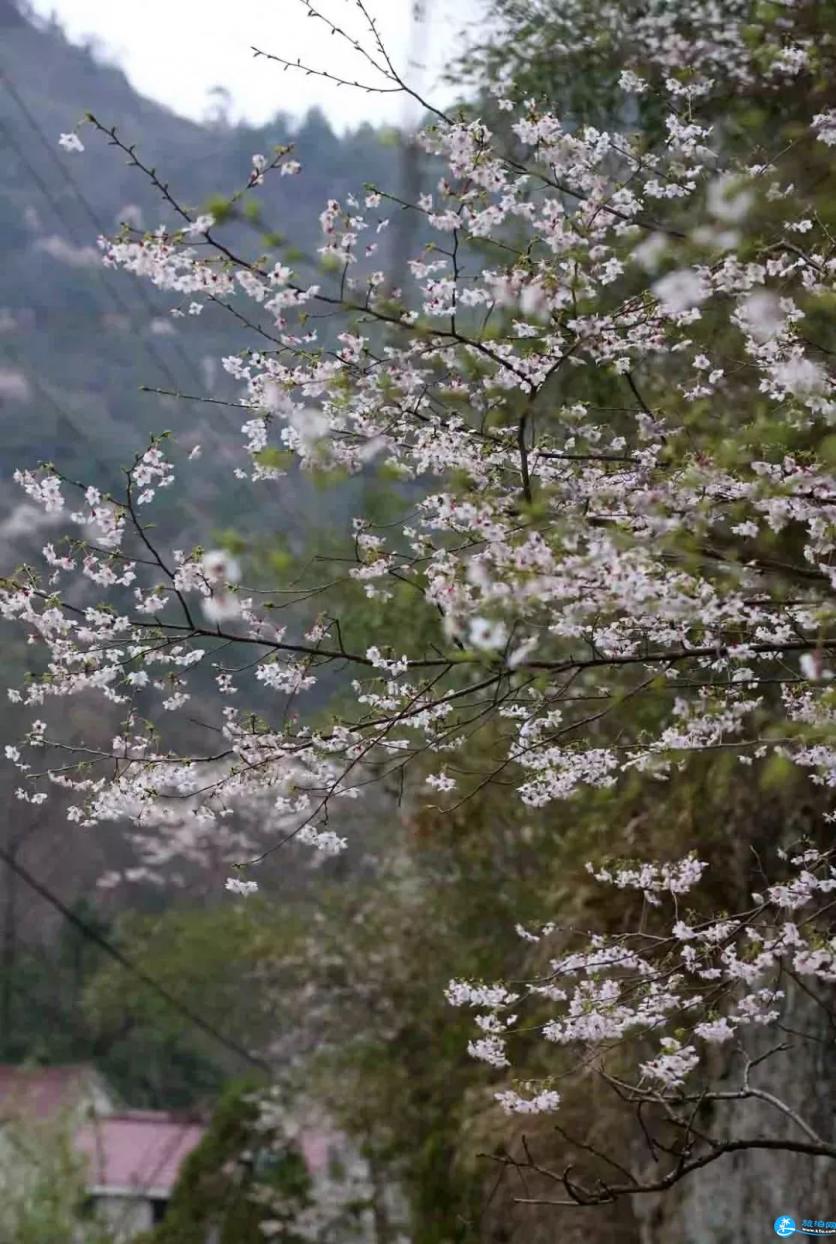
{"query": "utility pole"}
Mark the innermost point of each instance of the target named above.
(406, 224)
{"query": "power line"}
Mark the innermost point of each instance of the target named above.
(107, 946)
(53, 155)
(45, 190)
(61, 411)
(164, 1152)
(29, 371)
(91, 213)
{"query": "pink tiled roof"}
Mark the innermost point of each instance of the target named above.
(140, 1149)
(42, 1091)
(316, 1149)
(134, 1149)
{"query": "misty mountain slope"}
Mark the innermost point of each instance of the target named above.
(78, 341)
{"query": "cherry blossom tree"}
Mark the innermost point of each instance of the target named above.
(609, 375)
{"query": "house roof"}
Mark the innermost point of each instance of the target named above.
(44, 1091)
(137, 1152)
(316, 1149)
(133, 1151)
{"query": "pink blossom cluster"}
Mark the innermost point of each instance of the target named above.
(699, 984)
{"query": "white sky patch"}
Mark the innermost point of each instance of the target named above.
(177, 52)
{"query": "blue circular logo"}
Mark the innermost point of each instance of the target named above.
(784, 1226)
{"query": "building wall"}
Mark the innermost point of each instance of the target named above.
(126, 1216)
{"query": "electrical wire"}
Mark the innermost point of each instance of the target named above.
(47, 193)
(94, 219)
(158, 1160)
(104, 943)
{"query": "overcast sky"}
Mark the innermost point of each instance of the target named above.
(177, 50)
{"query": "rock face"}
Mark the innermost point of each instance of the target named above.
(736, 1199)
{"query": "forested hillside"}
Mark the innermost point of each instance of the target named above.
(77, 342)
